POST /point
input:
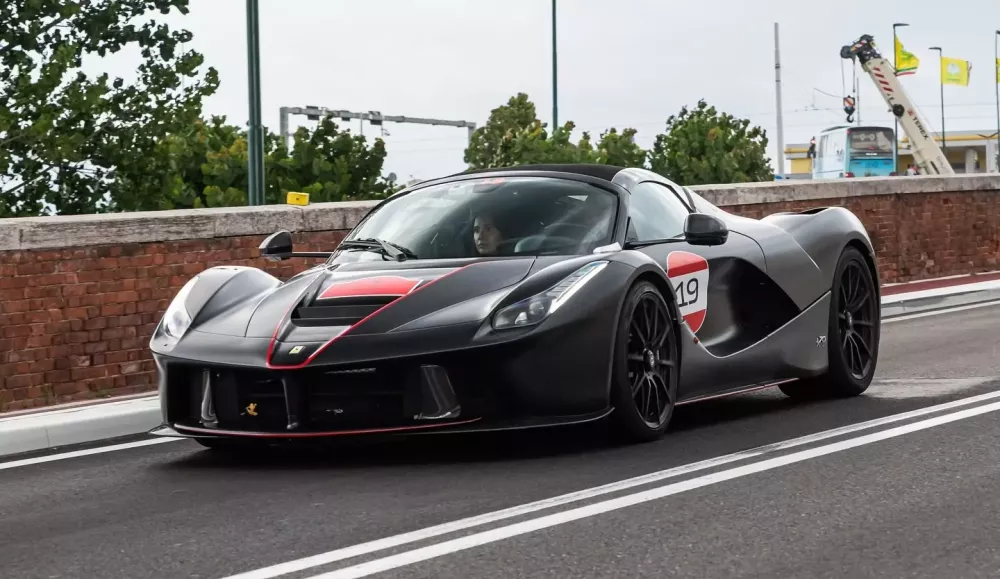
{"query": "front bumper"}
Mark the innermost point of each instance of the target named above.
(211, 400)
(557, 376)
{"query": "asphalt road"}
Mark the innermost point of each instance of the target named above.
(923, 503)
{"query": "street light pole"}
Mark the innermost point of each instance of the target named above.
(777, 96)
(895, 121)
(255, 137)
(555, 72)
(996, 65)
(944, 144)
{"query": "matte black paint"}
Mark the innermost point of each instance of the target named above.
(768, 306)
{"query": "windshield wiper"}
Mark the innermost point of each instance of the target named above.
(648, 242)
(397, 252)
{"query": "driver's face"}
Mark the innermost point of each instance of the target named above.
(486, 235)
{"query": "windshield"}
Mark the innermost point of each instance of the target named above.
(870, 142)
(486, 217)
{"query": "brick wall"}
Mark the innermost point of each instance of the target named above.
(76, 323)
(80, 296)
(919, 236)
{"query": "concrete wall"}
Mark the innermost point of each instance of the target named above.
(80, 296)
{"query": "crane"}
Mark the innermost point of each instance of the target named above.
(926, 151)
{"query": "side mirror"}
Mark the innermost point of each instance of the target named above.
(705, 229)
(277, 246)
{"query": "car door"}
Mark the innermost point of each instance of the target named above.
(715, 285)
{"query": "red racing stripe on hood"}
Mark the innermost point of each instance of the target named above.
(386, 285)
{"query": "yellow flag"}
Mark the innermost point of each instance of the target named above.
(906, 62)
(955, 71)
(998, 70)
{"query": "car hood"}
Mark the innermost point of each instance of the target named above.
(370, 297)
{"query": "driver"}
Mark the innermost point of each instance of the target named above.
(485, 234)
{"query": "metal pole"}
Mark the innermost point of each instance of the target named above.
(857, 94)
(283, 126)
(944, 144)
(996, 65)
(255, 140)
(555, 72)
(777, 88)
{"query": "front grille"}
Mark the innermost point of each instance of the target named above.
(382, 395)
(339, 312)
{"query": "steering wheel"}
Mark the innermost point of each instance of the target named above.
(543, 243)
(574, 230)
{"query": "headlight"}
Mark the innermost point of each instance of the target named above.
(533, 310)
(177, 319)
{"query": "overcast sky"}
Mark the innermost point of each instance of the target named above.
(621, 63)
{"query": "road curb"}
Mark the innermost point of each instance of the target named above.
(902, 304)
(69, 426)
(79, 424)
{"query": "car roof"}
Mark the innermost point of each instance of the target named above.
(598, 171)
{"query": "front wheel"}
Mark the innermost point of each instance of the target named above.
(853, 334)
(646, 365)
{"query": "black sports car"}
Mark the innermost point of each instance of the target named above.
(523, 297)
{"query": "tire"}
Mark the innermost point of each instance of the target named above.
(658, 366)
(853, 334)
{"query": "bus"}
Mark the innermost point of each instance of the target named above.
(855, 152)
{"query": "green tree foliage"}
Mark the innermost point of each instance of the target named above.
(702, 146)
(328, 163)
(64, 134)
(493, 144)
(620, 149)
(513, 135)
(205, 165)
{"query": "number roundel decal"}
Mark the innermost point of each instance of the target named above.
(688, 273)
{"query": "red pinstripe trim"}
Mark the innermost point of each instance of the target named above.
(319, 434)
(284, 319)
(735, 392)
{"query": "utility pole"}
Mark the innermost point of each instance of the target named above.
(777, 83)
(944, 143)
(374, 117)
(996, 65)
(555, 72)
(895, 120)
(255, 142)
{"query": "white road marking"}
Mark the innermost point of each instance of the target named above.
(504, 514)
(85, 452)
(940, 312)
(563, 517)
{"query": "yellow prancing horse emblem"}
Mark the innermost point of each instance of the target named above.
(252, 409)
(295, 350)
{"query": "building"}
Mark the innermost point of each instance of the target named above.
(967, 151)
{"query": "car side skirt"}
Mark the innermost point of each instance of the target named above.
(795, 350)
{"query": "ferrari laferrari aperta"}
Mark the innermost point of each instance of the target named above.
(518, 298)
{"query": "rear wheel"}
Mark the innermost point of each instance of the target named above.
(853, 335)
(646, 363)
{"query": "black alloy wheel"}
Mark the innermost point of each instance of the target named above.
(644, 388)
(855, 320)
(854, 331)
